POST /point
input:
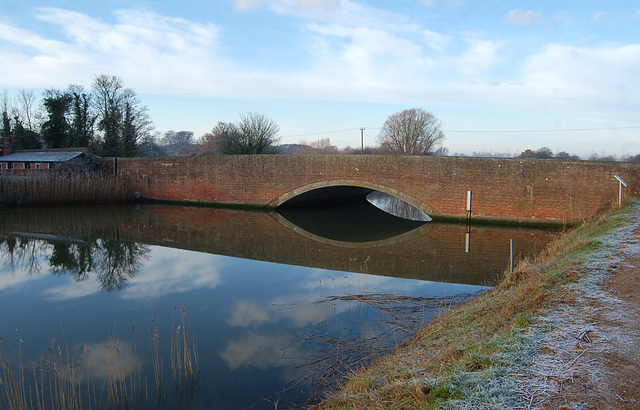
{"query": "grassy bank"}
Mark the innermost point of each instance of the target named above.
(474, 356)
(63, 188)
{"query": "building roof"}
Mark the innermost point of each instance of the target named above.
(41, 156)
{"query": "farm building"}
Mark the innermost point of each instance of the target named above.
(43, 159)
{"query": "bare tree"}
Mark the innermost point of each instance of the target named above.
(177, 139)
(222, 133)
(323, 146)
(411, 132)
(26, 102)
(254, 134)
(5, 104)
(121, 119)
(108, 90)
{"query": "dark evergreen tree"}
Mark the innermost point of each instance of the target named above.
(129, 137)
(55, 131)
(24, 138)
(110, 126)
(82, 122)
(6, 127)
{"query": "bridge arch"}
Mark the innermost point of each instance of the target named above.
(353, 188)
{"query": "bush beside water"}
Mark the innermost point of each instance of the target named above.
(57, 188)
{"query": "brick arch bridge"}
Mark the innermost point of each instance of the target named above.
(514, 190)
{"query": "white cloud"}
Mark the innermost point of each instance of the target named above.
(27, 39)
(72, 290)
(15, 279)
(431, 3)
(309, 8)
(523, 18)
(115, 359)
(562, 16)
(363, 53)
(258, 350)
(597, 73)
(436, 41)
(160, 275)
(246, 313)
(362, 44)
(144, 48)
(480, 56)
(598, 15)
(245, 5)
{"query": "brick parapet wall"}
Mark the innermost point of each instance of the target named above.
(502, 189)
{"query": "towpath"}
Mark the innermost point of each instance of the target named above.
(591, 357)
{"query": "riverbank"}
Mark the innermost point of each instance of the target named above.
(560, 331)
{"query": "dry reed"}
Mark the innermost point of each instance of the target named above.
(63, 188)
(185, 368)
(60, 383)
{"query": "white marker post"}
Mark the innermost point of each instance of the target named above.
(467, 239)
(620, 189)
(511, 254)
(468, 205)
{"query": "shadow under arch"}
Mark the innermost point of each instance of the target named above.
(396, 238)
(341, 190)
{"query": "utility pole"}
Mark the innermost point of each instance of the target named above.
(362, 140)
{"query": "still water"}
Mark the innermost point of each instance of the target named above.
(280, 305)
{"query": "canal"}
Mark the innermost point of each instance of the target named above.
(164, 306)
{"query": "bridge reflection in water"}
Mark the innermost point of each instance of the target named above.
(283, 330)
(364, 239)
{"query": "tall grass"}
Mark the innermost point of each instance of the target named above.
(62, 381)
(39, 188)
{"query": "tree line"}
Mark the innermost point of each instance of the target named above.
(410, 132)
(108, 119)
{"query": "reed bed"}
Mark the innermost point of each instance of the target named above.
(63, 188)
(64, 378)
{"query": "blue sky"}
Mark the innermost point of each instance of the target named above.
(502, 76)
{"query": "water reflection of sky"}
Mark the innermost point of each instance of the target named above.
(248, 315)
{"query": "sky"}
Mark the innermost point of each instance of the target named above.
(501, 76)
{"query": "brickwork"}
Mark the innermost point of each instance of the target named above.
(502, 189)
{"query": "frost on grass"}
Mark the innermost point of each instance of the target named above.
(494, 385)
(570, 339)
(533, 367)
